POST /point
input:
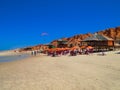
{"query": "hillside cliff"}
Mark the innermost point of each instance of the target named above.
(113, 33)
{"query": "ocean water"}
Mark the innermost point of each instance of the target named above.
(13, 58)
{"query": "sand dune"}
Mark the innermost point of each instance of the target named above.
(82, 72)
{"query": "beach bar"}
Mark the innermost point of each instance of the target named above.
(62, 43)
(99, 42)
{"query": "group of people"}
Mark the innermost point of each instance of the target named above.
(35, 52)
(73, 52)
(57, 53)
(81, 52)
(64, 51)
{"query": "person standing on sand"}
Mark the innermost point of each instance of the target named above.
(32, 53)
(35, 53)
(103, 53)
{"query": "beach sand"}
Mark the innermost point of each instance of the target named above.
(82, 72)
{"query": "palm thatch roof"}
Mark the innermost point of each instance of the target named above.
(62, 41)
(98, 37)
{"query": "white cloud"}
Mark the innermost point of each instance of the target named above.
(44, 34)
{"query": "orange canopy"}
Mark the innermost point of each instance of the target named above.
(67, 48)
(83, 47)
(57, 49)
(47, 49)
(76, 47)
(89, 47)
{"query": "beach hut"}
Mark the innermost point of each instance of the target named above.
(49, 46)
(99, 42)
(61, 43)
(117, 43)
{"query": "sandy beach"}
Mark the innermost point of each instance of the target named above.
(82, 72)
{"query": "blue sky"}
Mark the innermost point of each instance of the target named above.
(32, 22)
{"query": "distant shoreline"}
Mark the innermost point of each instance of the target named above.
(11, 52)
(13, 58)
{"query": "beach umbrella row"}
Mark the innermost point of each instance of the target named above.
(73, 48)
